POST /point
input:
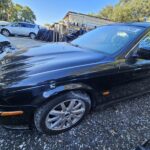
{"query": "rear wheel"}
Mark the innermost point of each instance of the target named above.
(5, 32)
(32, 35)
(62, 113)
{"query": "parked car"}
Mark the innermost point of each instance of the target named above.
(5, 47)
(21, 28)
(53, 87)
(3, 23)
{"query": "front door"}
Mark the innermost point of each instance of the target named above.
(132, 78)
(135, 72)
(15, 29)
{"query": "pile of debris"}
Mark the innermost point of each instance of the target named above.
(73, 35)
(54, 36)
(48, 35)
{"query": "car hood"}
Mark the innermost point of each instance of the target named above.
(46, 63)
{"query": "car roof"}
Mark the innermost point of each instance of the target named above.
(25, 23)
(138, 24)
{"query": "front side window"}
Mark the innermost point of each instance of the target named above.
(108, 39)
(145, 42)
(15, 25)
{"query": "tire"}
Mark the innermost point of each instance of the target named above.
(77, 98)
(5, 32)
(32, 35)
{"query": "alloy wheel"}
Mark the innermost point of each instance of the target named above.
(5, 33)
(32, 36)
(65, 114)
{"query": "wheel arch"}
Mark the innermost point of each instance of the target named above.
(32, 33)
(5, 29)
(52, 93)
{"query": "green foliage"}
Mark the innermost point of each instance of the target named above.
(106, 12)
(5, 9)
(27, 14)
(127, 10)
(15, 12)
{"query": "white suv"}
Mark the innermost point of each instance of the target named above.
(21, 28)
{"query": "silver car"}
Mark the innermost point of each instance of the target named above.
(21, 28)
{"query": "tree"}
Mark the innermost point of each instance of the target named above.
(5, 9)
(141, 9)
(15, 12)
(127, 10)
(106, 12)
(122, 14)
(28, 15)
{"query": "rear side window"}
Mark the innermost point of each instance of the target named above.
(27, 25)
(22, 24)
(31, 26)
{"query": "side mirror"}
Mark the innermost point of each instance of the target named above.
(144, 53)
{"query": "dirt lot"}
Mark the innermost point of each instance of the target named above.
(120, 127)
(22, 43)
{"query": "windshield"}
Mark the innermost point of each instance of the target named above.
(108, 39)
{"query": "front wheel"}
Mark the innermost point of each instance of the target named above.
(62, 113)
(5, 32)
(32, 35)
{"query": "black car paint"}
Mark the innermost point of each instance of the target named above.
(32, 77)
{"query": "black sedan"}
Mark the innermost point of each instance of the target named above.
(54, 86)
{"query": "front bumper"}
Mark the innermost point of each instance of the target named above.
(26, 118)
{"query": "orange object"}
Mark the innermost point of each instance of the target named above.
(11, 113)
(106, 93)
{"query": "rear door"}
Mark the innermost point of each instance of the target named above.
(24, 29)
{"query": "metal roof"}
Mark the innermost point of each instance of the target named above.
(71, 12)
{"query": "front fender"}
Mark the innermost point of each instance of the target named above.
(53, 92)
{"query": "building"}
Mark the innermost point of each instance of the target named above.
(74, 21)
(85, 20)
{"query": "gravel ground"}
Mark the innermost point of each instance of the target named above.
(120, 127)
